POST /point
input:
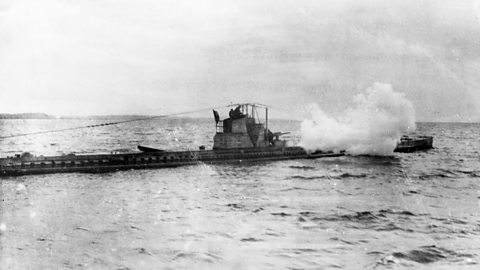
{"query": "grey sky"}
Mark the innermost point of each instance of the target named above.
(154, 57)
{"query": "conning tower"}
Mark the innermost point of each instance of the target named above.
(243, 129)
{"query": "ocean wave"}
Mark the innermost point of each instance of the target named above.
(423, 255)
(449, 226)
(302, 167)
(448, 173)
(468, 172)
(301, 177)
(296, 189)
(236, 206)
(281, 214)
(208, 257)
(350, 175)
(328, 176)
(429, 254)
(251, 239)
(382, 220)
(433, 175)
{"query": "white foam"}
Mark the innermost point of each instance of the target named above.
(373, 126)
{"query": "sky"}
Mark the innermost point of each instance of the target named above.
(95, 57)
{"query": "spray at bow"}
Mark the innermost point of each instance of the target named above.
(373, 126)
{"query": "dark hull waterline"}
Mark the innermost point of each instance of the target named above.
(148, 160)
(151, 158)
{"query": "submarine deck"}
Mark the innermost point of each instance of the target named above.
(145, 160)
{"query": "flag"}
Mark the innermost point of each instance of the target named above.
(217, 117)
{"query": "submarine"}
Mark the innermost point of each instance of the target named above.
(241, 137)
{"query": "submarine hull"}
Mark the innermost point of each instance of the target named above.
(17, 166)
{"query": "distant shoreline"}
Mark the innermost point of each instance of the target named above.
(47, 116)
(25, 116)
(13, 116)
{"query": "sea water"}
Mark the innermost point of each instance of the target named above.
(405, 211)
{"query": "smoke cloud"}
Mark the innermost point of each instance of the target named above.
(373, 126)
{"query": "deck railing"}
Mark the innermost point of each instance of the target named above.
(219, 127)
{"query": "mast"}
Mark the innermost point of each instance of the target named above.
(266, 123)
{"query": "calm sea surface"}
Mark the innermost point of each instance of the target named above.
(409, 211)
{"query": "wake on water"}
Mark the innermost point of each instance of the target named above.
(373, 126)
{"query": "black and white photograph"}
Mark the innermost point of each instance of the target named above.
(239, 134)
